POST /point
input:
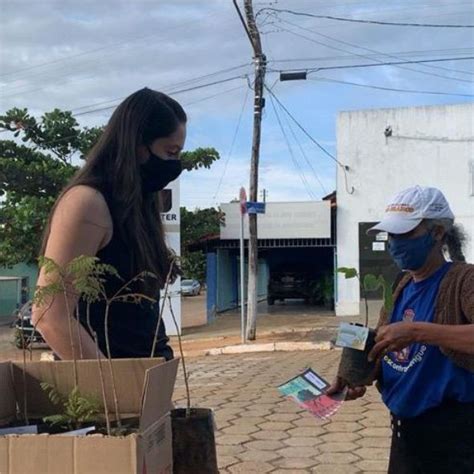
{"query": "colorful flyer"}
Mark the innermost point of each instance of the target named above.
(353, 336)
(308, 391)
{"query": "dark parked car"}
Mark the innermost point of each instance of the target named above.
(289, 284)
(25, 333)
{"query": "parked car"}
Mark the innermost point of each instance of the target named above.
(289, 284)
(190, 288)
(25, 333)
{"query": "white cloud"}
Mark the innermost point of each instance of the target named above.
(69, 54)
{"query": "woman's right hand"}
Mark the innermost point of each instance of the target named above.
(353, 393)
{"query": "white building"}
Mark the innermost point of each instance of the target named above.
(171, 224)
(387, 150)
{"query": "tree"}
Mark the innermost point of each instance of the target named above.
(36, 166)
(194, 226)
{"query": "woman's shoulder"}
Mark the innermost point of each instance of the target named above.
(85, 203)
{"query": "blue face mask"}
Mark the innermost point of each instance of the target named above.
(411, 254)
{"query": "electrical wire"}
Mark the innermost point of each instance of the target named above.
(189, 89)
(355, 66)
(231, 149)
(415, 53)
(186, 104)
(290, 149)
(373, 51)
(308, 161)
(344, 168)
(389, 55)
(181, 83)
(366, 21)
(432, 139)
(324, 150)
(391, 89)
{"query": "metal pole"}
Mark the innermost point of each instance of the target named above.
(242, 278)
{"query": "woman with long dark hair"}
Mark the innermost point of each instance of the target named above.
(111, 209)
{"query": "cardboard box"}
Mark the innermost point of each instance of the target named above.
(144, 388)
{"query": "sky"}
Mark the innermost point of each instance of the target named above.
(85, 56)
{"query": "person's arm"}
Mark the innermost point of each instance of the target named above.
(397, 336)
(459, 338)
(80, 226)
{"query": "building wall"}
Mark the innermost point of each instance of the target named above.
(225, 292)
(8, 290)
(228, 280)
(430, 146)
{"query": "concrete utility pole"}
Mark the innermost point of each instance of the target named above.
(260, 66)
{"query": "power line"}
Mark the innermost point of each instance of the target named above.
(326, 152)
(308, 161)
(354, 66)
(344, 168)
(234, 138)
(389, 55)
(290, 149)
(432, 139)
(354, 20)
(367, 57)
(187, 104)
(392, 89)
(64, 139)
(189, 89)
(414, 53)
(181, 83)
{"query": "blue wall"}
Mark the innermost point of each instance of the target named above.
(223, 281)
(211, 285)
(8, 289)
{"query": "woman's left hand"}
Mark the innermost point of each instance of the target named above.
(392, 338)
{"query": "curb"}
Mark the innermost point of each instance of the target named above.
(275, 332)
(267, 347)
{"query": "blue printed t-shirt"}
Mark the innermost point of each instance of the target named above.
(420, 376)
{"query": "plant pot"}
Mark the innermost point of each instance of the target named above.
(194, 446)
(354, 367)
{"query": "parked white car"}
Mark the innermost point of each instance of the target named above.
(190, 287)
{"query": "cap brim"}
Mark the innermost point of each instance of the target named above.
(394, 225)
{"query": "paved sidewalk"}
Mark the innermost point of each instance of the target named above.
(293, 323)
(259, 431)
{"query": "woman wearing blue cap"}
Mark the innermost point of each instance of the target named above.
(426, 345)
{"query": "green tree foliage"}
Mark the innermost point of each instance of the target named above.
(36, 165)
(194, 226)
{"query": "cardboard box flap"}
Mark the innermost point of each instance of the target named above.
(158, 392)
(7, 397)
(129, 381)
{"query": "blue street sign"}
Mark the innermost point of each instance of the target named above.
(255, 207)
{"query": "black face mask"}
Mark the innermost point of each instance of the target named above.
(157, 173)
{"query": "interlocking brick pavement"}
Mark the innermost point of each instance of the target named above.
(258, 431)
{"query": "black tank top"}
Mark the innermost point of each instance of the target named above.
(132, 326)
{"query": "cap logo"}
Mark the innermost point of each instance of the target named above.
(436, 207)
(400, 208)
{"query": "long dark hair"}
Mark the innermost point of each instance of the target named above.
(113, 167)
(454, 238)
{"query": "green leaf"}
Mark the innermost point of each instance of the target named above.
(371, 282)
(348, 272)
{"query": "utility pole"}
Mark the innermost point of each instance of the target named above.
(264, 195)
(260, 66)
